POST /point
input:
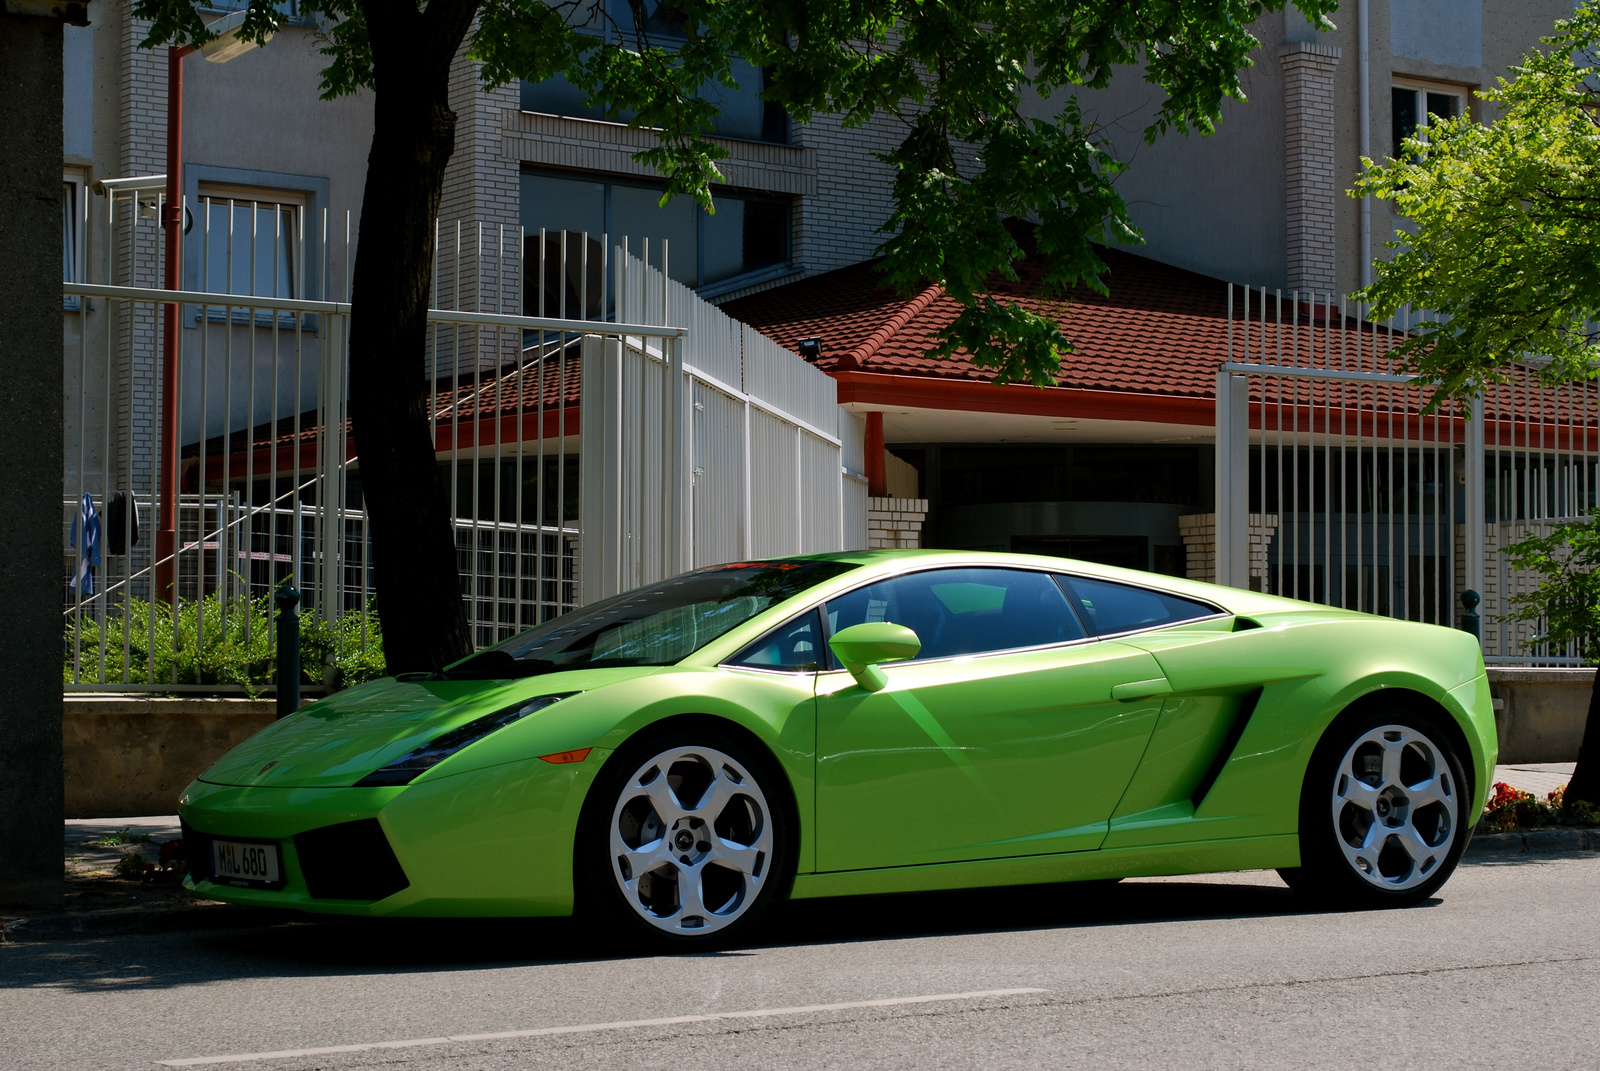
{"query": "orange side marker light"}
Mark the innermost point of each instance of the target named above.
(562, 757)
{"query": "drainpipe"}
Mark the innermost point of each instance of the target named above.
(1364, 96)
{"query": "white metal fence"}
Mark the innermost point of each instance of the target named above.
(636, 432)
(1370, 503)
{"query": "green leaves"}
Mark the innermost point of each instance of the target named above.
(1566, 604)
(1505, 245)
(983, 89)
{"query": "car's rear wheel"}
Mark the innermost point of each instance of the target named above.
(1383, 814)
(685, 838)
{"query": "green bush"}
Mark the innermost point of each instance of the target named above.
(207, 644)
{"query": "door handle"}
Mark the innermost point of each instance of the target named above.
(1141, 689)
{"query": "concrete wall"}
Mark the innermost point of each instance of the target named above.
(1540, 713)
(127, 755)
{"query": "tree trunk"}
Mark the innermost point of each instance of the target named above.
(415, 574)
(1585, 783)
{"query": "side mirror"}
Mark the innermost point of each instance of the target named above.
(863, 648)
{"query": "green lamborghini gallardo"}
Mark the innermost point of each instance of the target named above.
(676, 758)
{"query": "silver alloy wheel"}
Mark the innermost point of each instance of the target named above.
(691, 840)
(1395, 807)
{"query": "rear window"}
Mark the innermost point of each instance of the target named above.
(1108, 607)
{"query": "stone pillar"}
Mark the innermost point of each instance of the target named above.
(482, 194)
(31, 444)
(1199, 533)
(895, 523)
(1310, 178)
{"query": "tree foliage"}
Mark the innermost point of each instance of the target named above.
(1565, 606)
(955, 74)
(1503, 241)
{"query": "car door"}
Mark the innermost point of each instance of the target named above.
(1002, 738)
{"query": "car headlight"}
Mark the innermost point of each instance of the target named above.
(414, 763)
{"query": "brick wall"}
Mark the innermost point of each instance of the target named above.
(1199, 532)
(895, 523)
(1310, 178)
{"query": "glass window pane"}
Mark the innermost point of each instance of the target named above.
(655, 625)
(794, 646)
(557, 204)
(766, 234)
(1110, 607)
(1444, 105)
(723, 235)
(742, 114)
(745, 235)
(257, 258)
(964, 611)
(69, 232)
(1403, 116)
(636, 214)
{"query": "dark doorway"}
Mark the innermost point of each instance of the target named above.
(1128, 552)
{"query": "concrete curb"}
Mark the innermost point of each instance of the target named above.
(1499, 847)
(137, 920)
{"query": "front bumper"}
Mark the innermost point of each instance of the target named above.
(491, 842)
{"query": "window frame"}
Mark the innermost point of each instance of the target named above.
(704, 290)
(220, 193)
(79, 217)
(1422, 87)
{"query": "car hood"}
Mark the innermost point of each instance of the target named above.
(339, 740)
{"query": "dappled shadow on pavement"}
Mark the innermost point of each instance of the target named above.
(322, 947)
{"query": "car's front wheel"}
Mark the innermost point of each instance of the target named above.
(685, 838)
(1383, 814)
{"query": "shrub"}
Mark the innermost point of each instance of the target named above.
(1511, 808)
(213, 641)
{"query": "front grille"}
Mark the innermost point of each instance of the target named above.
(349, 861)
(197, 849)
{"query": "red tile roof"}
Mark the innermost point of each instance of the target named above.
(1162, 330)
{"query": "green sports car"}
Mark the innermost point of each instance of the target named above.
(676, 758)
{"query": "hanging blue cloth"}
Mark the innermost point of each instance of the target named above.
(88, 522)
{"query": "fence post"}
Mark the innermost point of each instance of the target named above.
(1470, 621)
(288, 599)
(1477, 518)
(1233, 480)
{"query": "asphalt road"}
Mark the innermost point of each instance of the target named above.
(1501, 970)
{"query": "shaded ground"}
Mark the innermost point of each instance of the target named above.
(95, 848)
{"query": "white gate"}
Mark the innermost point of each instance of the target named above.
(215, 467)
(1335, 486)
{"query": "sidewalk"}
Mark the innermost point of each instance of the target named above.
(1540, 778)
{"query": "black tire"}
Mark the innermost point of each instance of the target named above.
(754, 828)
(1383, 812)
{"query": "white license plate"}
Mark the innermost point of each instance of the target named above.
(237, 862)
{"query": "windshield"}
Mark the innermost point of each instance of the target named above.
(656, 625)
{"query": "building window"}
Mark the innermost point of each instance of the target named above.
(72, 227)
(1416, 106)
(250, 242)
(746, 240)
(742, 114)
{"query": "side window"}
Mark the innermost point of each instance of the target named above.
(1110, 607)
(794, 646)
(964, 611)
